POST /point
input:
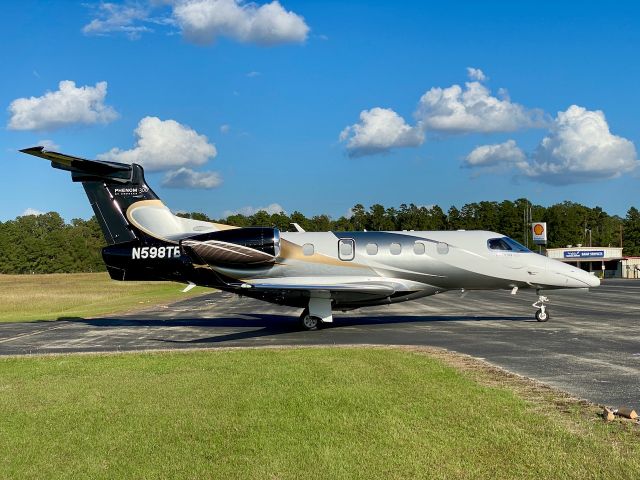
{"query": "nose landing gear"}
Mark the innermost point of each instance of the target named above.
(542, 314)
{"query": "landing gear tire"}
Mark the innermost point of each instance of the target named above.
(309, 322)
(542, 316)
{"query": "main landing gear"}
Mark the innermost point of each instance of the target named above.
(318, 312)
(309, 322)
(542, 314)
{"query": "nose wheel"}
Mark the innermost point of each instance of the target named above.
(542, 314)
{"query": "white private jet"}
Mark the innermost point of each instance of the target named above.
(317, 271)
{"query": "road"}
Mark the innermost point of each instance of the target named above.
(590, 347)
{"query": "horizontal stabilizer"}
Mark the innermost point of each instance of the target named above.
(83, 169)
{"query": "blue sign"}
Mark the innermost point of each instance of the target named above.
(584, 254)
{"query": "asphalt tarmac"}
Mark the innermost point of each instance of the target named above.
(590, 347)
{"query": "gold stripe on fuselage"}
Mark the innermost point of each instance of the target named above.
(292, 251)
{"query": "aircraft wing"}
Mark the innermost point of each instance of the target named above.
(347, 285)
(370, 288)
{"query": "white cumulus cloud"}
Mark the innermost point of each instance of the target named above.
(476, 74)
(31, 211)
(187, 178)
(248, 211)
(578, 148)
(494, 155)
(202, 21)
(581, 148)
(451, 110)
(69, 105)
(379, 130)
(473, 109)
(163, 145)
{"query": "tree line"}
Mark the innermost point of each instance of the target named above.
(46, 244)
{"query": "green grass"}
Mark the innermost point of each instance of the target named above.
(48, 297)
(288, 413)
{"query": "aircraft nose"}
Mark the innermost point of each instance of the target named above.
(583, 278)
(570, 276)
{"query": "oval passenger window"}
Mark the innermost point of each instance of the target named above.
(418, 248)
(442, 248)
(395, 248)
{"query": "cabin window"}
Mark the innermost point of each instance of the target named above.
(395, 249)
(442, 248)
(372, 248)
(418, 248)
(308, 249)
(346, 249)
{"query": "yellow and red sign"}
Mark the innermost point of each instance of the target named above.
(539, 231)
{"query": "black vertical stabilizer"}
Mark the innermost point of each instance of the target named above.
(115, 226)
(110, 200)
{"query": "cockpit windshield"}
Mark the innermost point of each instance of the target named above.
(506, 243)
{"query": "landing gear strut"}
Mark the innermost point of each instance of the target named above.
(318, 311)
(542, 314)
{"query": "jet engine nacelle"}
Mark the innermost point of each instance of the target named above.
(237, 247)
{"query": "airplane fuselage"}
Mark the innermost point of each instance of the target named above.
(415, 263)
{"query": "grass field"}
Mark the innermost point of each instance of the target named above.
(291, 413)
(48, 297)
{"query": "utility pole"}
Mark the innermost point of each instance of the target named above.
(524, 226)
(527, 218)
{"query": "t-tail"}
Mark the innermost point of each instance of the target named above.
(137, 226)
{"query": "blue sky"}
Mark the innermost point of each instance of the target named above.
(316, 106)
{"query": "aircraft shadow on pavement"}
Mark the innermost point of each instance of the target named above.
(279, 322)
(274, 325)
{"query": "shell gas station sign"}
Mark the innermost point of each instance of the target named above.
(539, 232)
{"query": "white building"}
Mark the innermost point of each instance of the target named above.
(605, 261)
